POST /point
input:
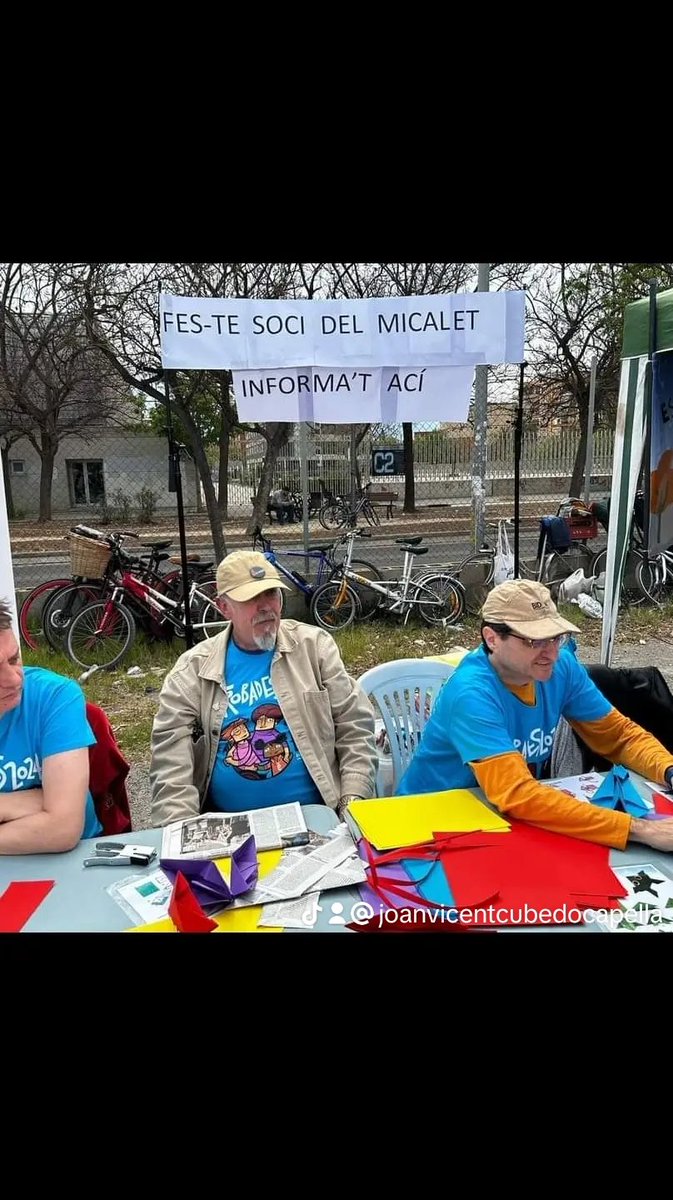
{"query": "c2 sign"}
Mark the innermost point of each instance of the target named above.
(388, 461)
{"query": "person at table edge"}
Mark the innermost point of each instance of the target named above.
(494, 722)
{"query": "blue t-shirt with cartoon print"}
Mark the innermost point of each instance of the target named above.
(258, 764)
(476, 716)
(50, 719)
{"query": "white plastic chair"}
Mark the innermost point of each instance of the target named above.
(405, 691)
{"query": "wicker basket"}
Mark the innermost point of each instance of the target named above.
(88, 557)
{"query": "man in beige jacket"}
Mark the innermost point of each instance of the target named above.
(263, 714)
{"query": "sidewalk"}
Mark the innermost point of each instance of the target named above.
(455, 516)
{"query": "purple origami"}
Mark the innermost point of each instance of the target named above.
(208, 885)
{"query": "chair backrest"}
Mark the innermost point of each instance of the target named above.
(107, 774)
(405, 692)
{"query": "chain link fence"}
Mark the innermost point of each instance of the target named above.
(121, 477)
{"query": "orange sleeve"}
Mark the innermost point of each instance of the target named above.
(508, 784)
(622, 741)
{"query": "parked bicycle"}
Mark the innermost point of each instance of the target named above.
(97, 558)
(338, 512)
(323, 561)
(438, 598)
(102, 633)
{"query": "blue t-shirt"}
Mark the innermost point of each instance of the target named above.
(258, 764)
(477, 717)
(50, 719)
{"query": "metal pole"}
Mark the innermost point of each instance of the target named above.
(518, 435)
(303, 479)
(647, 448)
(589, 464)
(353, 454)
(175, 485)
(480, 428)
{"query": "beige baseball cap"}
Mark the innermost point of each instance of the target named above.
(528, 609)
(245, 573)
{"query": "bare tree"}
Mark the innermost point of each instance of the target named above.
(52, 382)
(576, 311)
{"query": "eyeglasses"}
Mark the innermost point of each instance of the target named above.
(561, 639)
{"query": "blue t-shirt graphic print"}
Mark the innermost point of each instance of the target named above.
(258, 764)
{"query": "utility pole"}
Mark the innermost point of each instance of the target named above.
(480, 429)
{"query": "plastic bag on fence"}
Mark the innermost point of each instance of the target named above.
(503, 562)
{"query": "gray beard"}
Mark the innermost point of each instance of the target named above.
(264, 641)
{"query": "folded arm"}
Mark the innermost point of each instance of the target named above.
(50, 818)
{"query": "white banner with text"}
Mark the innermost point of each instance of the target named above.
(456, 330)
(345, 397)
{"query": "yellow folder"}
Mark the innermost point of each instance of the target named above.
(405, 820)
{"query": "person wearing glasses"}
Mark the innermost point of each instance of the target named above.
(494, 721)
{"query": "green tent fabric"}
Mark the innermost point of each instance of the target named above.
(636, 340)
(635, 390)
(628, 453)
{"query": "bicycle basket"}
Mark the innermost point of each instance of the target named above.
(581, 521)
(88, 557)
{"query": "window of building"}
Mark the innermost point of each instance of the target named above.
(18, 466)
(85, 481)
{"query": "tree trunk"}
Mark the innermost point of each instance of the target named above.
(409, 482)
(201, 460)
(225, 433)
(47, 455)
(9, 499)
(576, 489)
(276, 435)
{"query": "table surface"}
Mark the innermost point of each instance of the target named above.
(79, 902)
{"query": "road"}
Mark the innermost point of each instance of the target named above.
(379, 549)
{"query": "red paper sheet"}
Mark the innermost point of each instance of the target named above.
(663, 804)
(185, 911)
(19, 902)
(538, 876)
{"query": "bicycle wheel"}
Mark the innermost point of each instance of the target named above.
(440, 599)
(100, 635)
(334, 606)
(476, 575)
(650, 580)
(207, 620)
(62, 607)
(632, 592)
(333, 516)
(371, 514)
(32, 610)
(369, 599)
(558, 567)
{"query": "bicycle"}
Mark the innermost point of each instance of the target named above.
(65, 603)
(107, 628)
(31, 612)
(439, 598)
(326, 567)
(477, 571)
(338, 512)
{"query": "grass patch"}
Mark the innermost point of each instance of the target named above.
(131, 706)
(126, 700)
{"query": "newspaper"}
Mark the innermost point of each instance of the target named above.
(217, 835)
(580, 787)
(326, 862)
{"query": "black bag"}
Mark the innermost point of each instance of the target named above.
(642, 695)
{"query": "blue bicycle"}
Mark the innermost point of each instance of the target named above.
(326, 569)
